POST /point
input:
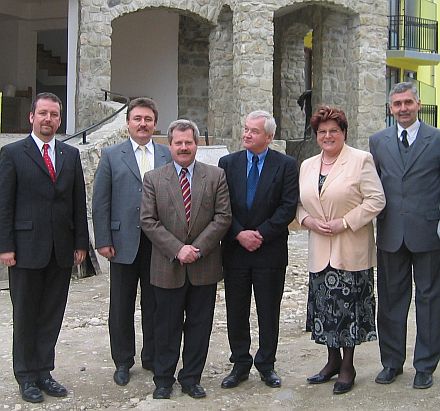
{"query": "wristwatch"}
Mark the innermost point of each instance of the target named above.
(344, 223)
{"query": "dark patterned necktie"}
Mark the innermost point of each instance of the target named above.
(405, 139)
(48, 162)
(252, 182)
(186, 192)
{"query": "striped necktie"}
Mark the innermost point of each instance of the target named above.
(144, 164)
(186, 192)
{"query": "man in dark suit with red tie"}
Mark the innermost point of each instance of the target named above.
(43, 233)
(263, 187)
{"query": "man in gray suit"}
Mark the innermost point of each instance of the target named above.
(117, 197)
(185, 213)
(407, 158)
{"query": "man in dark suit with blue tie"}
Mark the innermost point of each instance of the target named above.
(43, 233)
(407, 158)
(263, 187)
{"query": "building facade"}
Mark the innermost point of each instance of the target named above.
(214, 61)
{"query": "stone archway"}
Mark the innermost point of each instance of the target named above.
(95, 42)
(348, 64)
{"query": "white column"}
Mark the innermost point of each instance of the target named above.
(72, 44)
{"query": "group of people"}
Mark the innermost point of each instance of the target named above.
(176, 227)
(342, 190)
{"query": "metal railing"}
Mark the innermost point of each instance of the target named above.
(87, 130)
(412, 33)
(427, 114)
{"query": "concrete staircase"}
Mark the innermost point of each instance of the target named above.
(47, 61)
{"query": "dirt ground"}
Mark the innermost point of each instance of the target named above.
(84, 365)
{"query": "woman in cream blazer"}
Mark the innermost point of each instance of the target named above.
(340, 195)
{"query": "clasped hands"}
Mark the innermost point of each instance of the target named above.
(328, 228)
(251, 240)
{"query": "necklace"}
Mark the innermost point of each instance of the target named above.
(328, 164)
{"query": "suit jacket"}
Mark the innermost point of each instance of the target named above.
(117, 196)
(351, 190)
(164, 222)
(274, 207)
(36, 215)
(412, 191)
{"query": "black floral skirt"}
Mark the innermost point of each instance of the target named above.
(341, 307)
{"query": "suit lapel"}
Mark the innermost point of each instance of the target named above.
(422, 141)
(239, 177)
(198, 184)
(159, 157)
(128, 157)
(175, 191)
(31, 149)
(59, 158)
(336, 170)
(391, 143)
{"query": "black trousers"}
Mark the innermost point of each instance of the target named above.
(124, 279)
(268, 286)
(394, 285)
(189, 309)
(39, 299)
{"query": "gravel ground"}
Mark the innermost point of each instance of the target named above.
(84, 364)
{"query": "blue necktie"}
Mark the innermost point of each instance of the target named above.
(252, 182)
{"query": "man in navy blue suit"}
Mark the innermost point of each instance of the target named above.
(263, 187)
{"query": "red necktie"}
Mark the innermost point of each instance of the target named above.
(48, 162)
(186, 192)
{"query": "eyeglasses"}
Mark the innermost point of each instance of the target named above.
(333, 132)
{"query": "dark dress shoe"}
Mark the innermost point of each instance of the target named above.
(147, 366)
(343, 387)
(194, 391)
(270, 378)
(30, 392)
(388, 375)
(235, 378)
(422, 380)
(162, 393)
(121, 375)
(321, 378)
(52, 387)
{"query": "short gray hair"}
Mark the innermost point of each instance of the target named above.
(401, 88)
(270, 126)
(182, 125)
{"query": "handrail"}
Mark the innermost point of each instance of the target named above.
(93, 126)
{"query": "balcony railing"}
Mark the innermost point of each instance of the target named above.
(412, 33)
(427, 114)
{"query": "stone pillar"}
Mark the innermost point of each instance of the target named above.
(371, 60)
(253, 64)
(291, 81)
(193, 71)
(94, 58)
(221, 107)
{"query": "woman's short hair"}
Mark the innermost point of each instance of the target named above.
(326, 113)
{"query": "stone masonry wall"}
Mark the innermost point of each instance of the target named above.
(193, 72)
(349, 51)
